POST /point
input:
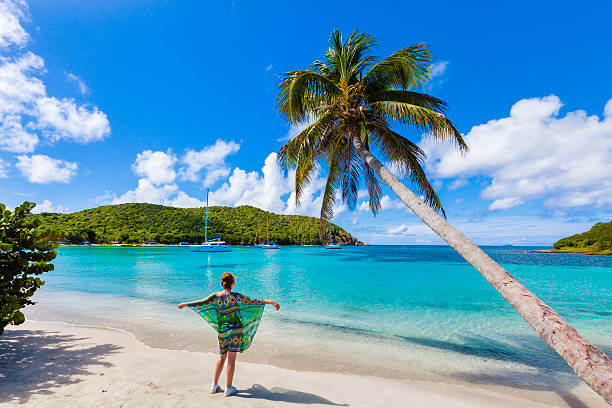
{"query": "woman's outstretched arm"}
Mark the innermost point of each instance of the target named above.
(182, 305)
(273, 303)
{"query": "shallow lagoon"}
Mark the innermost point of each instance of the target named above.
(419, 312)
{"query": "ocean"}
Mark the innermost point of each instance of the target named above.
(418, 312)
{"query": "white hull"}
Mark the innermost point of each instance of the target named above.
(269, 247)
(333, 246)
(210, 248)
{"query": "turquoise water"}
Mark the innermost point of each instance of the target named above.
(419, 312)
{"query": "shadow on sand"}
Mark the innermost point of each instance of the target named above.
(284, 395)
(38, 360)
(547, 371)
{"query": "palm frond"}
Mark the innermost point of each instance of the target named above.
(374, 190)
(346, 58)
(302, 92)
(435, 124)
(404, 69)
(303, 151)
(409, 97)
(331, 187)
(351, 165)
(407, 158)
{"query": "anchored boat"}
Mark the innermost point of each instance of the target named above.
(214, 244)
(268, 244)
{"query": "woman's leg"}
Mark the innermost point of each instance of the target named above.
(219, 367)
(231, 366)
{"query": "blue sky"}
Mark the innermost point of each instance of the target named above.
(109, 101)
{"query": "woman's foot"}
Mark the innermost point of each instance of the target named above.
(215, 389)
(231, 390)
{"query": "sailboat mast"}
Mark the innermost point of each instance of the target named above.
(206, 224)
(259, 231)
(267, 223)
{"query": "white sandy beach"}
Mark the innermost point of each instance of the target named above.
(53, 365)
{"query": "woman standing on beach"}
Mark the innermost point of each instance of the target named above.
(235, 318)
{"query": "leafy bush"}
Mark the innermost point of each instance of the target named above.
(23, 256)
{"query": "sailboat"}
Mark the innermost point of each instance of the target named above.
(332, 244)
(268, 244)
(214, 244)
(257, 243)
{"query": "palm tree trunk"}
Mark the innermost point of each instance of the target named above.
(588, 362)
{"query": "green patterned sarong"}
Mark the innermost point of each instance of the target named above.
(234, 317)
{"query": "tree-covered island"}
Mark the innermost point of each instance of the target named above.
(129, 223)
(598, 240)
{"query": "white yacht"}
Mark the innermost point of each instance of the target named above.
(214, 244)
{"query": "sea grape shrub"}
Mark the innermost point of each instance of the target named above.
(24, 254)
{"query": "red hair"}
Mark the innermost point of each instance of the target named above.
(227, 280)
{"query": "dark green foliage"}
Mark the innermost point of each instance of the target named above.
(598, 239)
(128, 223)
(24, 254)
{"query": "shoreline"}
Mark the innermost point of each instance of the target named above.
(557, 251)
(50, 364)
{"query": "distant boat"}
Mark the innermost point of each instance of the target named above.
(333, 245)
(257, 243)
(268, 244)
(215, 244)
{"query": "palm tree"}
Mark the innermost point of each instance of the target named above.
(351, 101)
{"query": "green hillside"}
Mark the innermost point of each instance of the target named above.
(127, 223)
(597, 240)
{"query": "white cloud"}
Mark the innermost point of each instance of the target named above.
(26, 111)
(269, 67)
(4, 168)
(157, 167)
(11, 31)
(311, 198)
(47, 206)
(456, 184)
(505, 203)
(270, 189)
(63, 119)
(211, 159)
(43, 169)
(535, 153)
(438, 69)
(183, 200)
(414, 229)
(260, 190)
(14, 138)
(83, 88)
(147, 192)
(386, 203)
